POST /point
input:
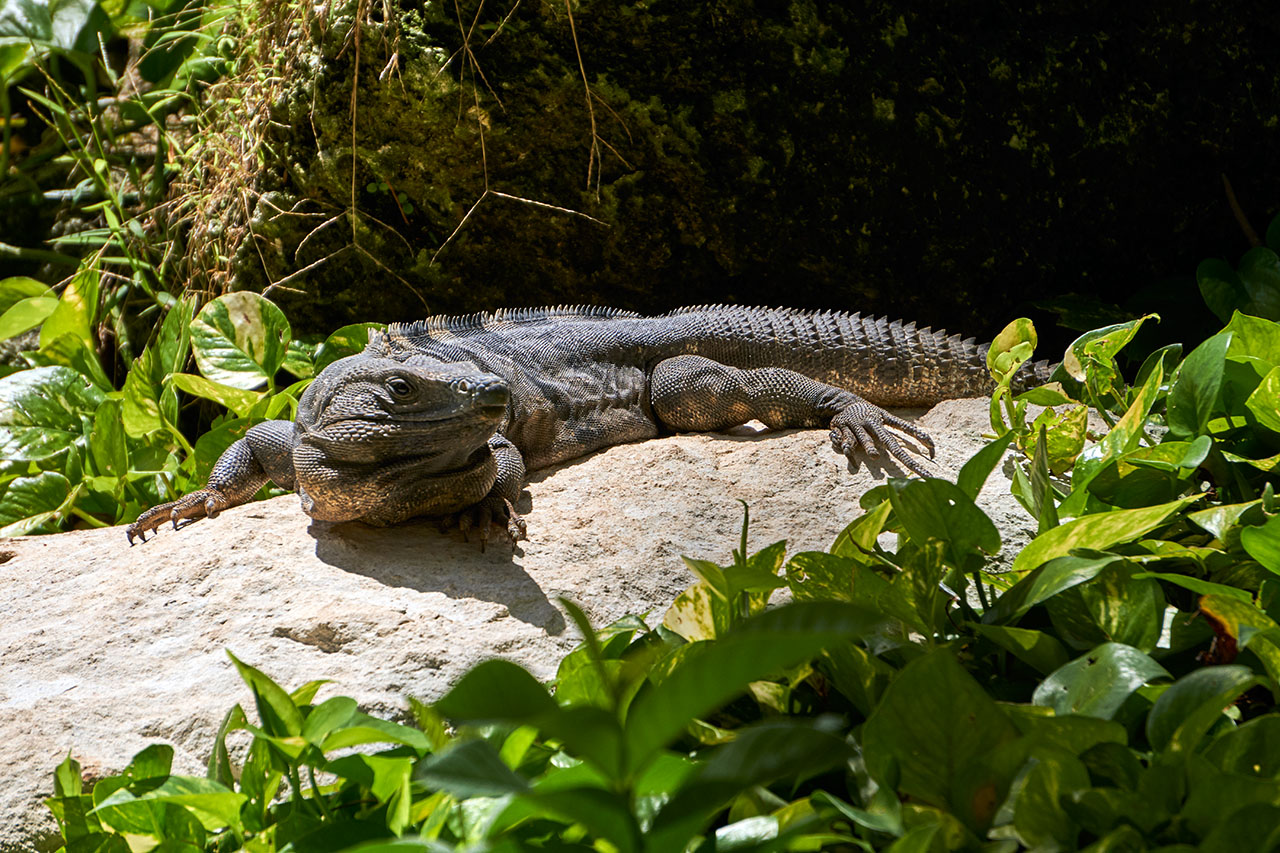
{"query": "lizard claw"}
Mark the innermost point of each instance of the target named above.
(863, 426)
(517, 530)
(206, 503)
(487, 517)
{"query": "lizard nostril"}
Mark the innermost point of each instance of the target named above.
(493, 394)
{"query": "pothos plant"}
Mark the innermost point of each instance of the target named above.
(76, 449)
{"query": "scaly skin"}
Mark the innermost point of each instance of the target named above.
(443, 416)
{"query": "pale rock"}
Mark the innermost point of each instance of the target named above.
(107, 648)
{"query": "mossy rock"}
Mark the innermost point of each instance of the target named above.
(952, 166)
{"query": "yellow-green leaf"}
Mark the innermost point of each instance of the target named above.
(1100, 531)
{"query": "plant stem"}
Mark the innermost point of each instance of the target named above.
(86, 518)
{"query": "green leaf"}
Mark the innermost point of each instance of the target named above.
(140, 409)
(605, 814)
(53, 25)
(240, 340)
(1043, 583)
(1098, 683)
(1039, 816)
(1044, 496)
(220, 767)
(68, 350)
(1072, 732)
(758, 755)
(43, 411)
(299, 360)
(1196, 585)
(1112, 761)
(1064, 436)
(1125, 436)
(234, 398)
(1099, 532)
(67, 781)
(883, 813)
(174, 345)
(1114, 606)
(1264, 402)
(1220, 520)
(1013, 346)
(1260, 275)
(856, 673)
(212, 804)
(362, 728)
(699, 613)
(280, 716)
(1220, 287)
(1251, 749)
(719, 670)
(1049, 395)
(818, 576)
(1036, 648)
(1183, 713)
(937, 509)
(349, 340)
(1254, 337)
(75, 312)
(330, 714)
(933, 722)
(860, 535)
(1263, 543)
(973, 475)
(19, 287)
(1193, 399)
(471, 768)
(496, 690)
(1091, 357)
(592, 734)
(25, 315)
(28, 503)
(107, 443)
(1255, 826)
(1251, 629)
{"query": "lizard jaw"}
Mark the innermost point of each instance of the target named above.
(383, 494)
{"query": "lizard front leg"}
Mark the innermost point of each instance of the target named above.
(499, 503)
(263, 454)
(697, 394)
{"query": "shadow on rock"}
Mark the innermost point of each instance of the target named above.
(416, 555)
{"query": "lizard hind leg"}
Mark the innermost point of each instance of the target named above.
(696, 394)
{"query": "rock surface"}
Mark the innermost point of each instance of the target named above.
(108, 648)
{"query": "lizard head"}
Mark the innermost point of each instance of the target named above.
(382, 439)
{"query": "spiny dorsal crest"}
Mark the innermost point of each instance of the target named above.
(447, 325)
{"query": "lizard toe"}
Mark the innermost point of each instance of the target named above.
(864, 427)
(517, 529)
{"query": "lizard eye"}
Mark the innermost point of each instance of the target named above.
(399, 387)
(463, 386)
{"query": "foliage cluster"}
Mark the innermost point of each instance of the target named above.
(76, 450)
(92, 103)
(1113, 690)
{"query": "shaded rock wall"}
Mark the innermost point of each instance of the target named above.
(951, 165)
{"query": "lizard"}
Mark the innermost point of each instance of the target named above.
(444, 417)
